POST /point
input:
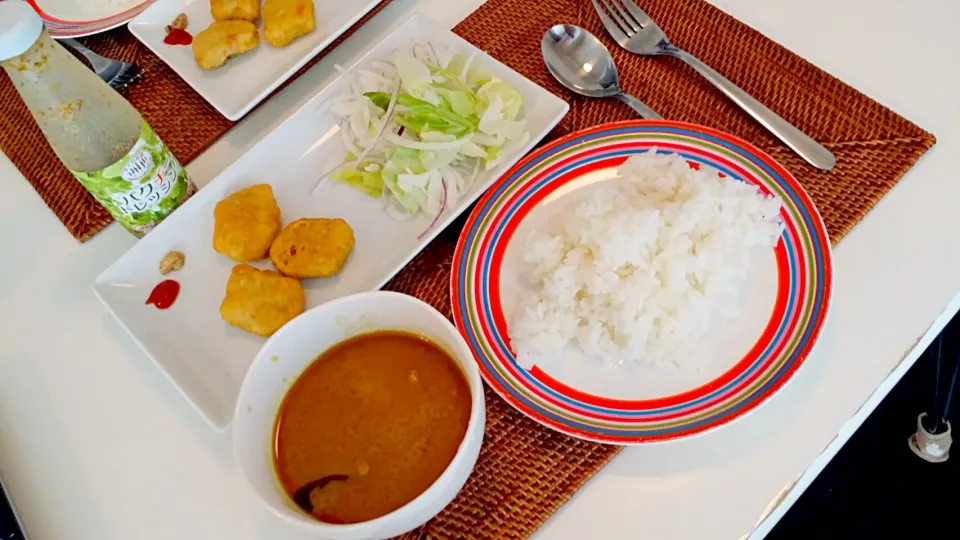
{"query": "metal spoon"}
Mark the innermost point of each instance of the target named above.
(580, 62)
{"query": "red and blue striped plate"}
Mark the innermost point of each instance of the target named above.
(745, 361)
(70, 18)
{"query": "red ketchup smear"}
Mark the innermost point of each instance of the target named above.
(164, 294)
(178, 37)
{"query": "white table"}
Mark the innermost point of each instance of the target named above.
(96, 443)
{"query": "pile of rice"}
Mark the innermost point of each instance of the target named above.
(638, 270)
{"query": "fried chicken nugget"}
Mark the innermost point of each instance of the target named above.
(223, 40)
(245, 223)
(310, 248)
(286, 20)
(225, 10)
(260, 301)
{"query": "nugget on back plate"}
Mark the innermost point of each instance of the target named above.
(225, 10)
(310, 248)
(223, 40)
(286, 20)
(260, 301)
(245, 223)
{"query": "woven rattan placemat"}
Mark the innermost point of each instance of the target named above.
(525, 472)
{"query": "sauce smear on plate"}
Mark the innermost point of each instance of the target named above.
(177, 36)
(164, 294)
(387, 409)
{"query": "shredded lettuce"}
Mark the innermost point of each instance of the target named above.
(405, 161)
(417, 114)
(511, 99)
(369, 182)
(460, 102)
(415, 78)
(425, 123)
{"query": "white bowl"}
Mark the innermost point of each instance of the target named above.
(285, 355)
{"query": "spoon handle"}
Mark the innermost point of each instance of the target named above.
(645, 112)
(810, 150)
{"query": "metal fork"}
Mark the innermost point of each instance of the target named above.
(636, 32)
(116, 73)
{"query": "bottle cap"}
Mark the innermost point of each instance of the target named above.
(20, 26)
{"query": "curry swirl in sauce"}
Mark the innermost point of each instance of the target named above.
(370, 425)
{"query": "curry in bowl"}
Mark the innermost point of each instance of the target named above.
(370, 425)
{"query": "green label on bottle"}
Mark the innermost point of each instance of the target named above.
(143, 187)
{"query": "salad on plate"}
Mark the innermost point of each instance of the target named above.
(422, 125)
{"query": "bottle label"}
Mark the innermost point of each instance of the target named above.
(143, 187)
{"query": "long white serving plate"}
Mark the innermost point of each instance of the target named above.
(246, 80)
(205, 357)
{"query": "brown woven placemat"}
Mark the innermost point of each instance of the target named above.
(525, 472)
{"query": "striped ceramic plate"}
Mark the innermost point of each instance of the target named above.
(72, 18)
(743, 361)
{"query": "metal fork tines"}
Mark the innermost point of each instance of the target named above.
(116, 73)
(636, 32)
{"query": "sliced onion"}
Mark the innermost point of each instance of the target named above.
(379, 78)
(360, 126)
(394, 209)
(488, 140)
(384, 122)
(347, 141)
(473, 176)
(359, 159)
(425, 52)
(443, 208)
(466, 67)
(349, 78)
(453, 180)
(420, 145)
(386, 67)
(464, 183)
(331, 104)
(493, 80)
(508, 150)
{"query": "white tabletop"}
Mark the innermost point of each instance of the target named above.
(96, 443)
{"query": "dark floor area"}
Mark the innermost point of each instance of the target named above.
(876, 487)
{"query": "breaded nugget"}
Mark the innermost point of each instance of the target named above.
(225, 10)
(310, 248)
(260, 301)
(223, 40)
(286, 20)
(245, 223)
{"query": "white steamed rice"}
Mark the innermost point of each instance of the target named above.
(638, 269)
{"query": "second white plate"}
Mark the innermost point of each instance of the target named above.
(204, 356)
(244, 81)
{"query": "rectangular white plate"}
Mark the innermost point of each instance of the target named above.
(204, 356)
(244, 81)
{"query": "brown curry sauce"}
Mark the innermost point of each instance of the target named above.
(387, 410)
